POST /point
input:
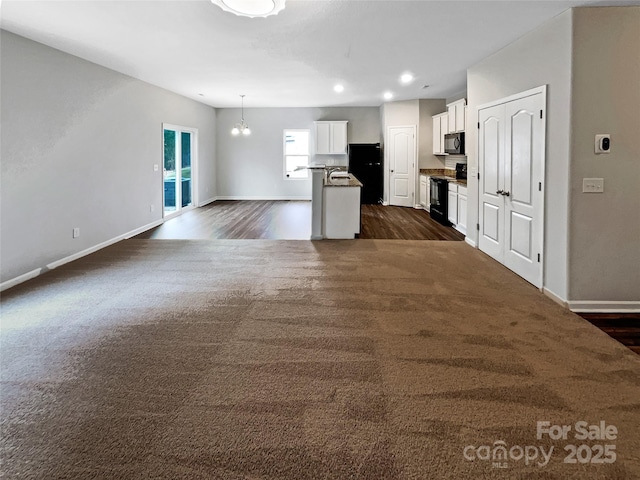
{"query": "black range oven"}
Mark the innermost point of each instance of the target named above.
(439, 194)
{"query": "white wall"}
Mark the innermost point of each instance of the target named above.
(605, 228)
(252, 167)
(542, 57)
(428, 108)
(79, 142)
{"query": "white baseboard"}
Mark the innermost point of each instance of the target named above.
(207, 202)
(257, 198)
(470, 242)
(555, 297)
(385, 204)
(596, 306)
(58, 263)
(22, 278)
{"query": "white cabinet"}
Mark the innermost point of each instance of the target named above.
(440, 129)
(341, 213)
(461, 226)
(456, 112)
(457, 206)
(452, 203)
(331, 138)
(423, 191)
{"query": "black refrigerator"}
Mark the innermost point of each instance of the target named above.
(365, 163)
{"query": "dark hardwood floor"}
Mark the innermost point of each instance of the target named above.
(291, 220)
(624, 327)
(401, 223)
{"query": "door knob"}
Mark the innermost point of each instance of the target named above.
(391, 171)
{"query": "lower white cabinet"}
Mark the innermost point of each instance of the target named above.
(457, 207)
(452, 203)
(341, 212)
(424, 187)
(461, 226)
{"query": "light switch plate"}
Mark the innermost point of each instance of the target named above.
(593, 185)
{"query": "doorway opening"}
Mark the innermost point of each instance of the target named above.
(179, 169)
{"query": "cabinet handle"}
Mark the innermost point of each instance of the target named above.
(506, 194)
(499, 192)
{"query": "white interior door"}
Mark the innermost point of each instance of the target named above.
(523, 184)
(511, 144)
(402, 160)
(491, 168)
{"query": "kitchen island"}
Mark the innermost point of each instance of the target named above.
(335, 204)
(341, 207)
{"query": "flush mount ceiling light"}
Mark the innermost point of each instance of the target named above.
(251, 8)
(388, 95)
(241, 127)
(338, 88)
(406, 78)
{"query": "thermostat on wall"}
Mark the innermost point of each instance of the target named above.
(603, 143)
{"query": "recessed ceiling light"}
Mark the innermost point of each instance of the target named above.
(251, 8)
(338, 88)
(406, 78)
(388, 95)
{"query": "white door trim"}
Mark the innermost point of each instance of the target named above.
(194, 168)
(387, 170)
(518, 96)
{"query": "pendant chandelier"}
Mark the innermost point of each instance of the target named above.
(251, 8)
(241, 127)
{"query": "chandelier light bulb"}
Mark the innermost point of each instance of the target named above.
(241, 127)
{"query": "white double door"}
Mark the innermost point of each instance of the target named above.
(511, 143)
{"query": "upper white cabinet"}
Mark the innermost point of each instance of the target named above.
(440, 128)
(457, 112)
(331, 137)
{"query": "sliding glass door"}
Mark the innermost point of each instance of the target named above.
(178, 168)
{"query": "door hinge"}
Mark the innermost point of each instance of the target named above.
(540, 113)
(478, 175)
(539, 186)
(538, 258)
(478, 125)
(477, 226)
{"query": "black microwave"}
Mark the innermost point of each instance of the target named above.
(454, 143)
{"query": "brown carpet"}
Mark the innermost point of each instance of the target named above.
(366, 359)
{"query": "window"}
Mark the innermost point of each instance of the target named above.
(296, 153)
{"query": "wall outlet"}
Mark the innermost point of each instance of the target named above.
(76, 232)
(151, 208)
(593, 185)
(155, 167)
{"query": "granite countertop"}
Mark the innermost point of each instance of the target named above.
(351, 181)
(449, 174)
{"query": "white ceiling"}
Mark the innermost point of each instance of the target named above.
(294, 59)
